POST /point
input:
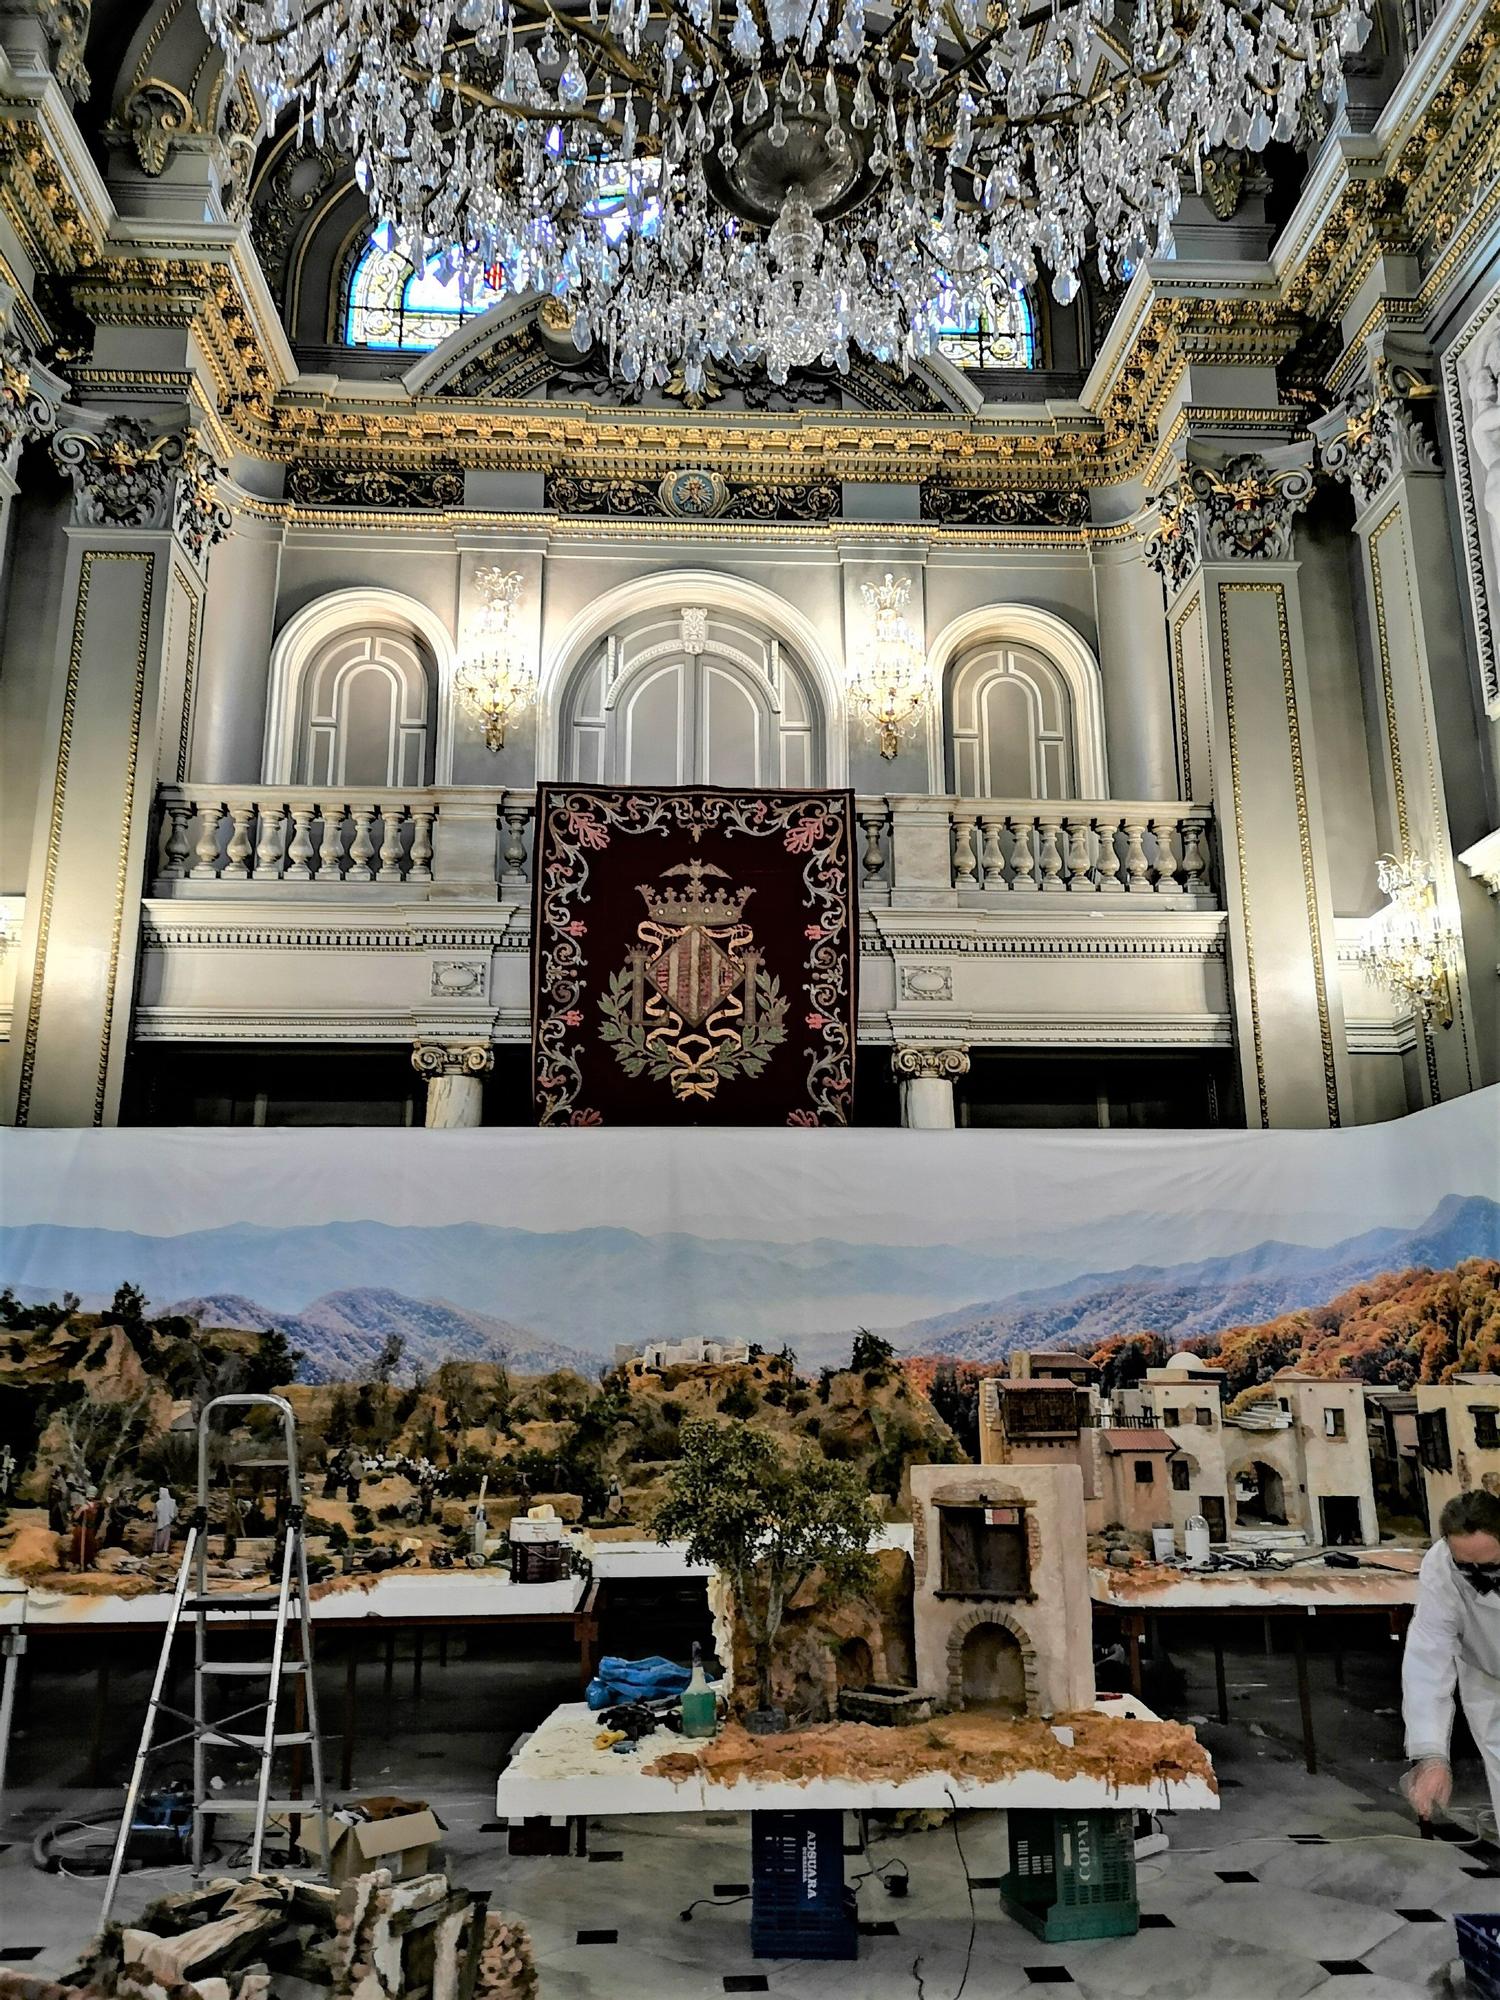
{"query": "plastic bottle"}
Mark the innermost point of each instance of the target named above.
(700, 1705)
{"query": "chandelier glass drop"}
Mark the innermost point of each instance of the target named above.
(1410, 951)
(779, 182)
(496, 677)
(889, 681)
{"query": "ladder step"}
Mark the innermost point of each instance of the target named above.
(244, 1600)
(259, 1669)
(230, 1739)
(307, 1807)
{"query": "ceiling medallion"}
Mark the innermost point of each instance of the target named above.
(774, 183)
(694, 495)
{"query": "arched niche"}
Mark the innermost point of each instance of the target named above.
(692, 677)
(1017, 665)
(346, 665)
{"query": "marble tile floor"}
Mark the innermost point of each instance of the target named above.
(1326, 1895)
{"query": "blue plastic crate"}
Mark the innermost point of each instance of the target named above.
(1479, 1948)
(800, 1907)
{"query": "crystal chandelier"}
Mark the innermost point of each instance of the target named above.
(1410, 951)
(776, 182)
(891, 681)
(496, 677)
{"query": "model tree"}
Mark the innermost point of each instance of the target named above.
(768, 1518)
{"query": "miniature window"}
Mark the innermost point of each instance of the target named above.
(1181, 1474)
(1041, 1413)
(1145, 1472)
(1432, 1440)
(1171, 1417)
(1205, 1418)
(1486, 1426)
(984, 1552)
(1333, 1424)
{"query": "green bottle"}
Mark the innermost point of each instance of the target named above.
(700, 1705)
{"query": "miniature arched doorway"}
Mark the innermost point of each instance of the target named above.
(855, 1664)
(1259, 1496)
(992, 1671)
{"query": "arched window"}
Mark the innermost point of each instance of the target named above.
(390, 304)
(977, 339)
(366, 712)
(691, 697)
(1012, 725)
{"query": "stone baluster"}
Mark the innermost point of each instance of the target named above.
(361, 848)
(240, 848)
(1080, 861)
(1167, 883)
(299, 850)
(1194, 861)
(206, 867)
(1109, 860)
(1050, 856)
(964, 859)
(872, 861)
(177, 849)
(390, 843)
(993, 853)
(331, 846)
(421, 845)
(513, 853)
(1137, 869)
(1022, 860)
(268, 848)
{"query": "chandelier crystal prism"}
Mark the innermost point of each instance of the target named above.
(1411, 952)
(496, 678)
(888, 681)
(777, 183)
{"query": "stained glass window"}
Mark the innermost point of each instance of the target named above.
(982, 340)
(392, 305)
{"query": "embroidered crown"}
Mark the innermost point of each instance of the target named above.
(709, 909)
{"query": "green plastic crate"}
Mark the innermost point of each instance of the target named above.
(1072, 1875)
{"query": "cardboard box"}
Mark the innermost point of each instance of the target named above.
(399, 1834)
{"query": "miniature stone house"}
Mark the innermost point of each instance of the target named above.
(1458, 1438)
(1298, 1460)
(1184, 1399)
(1001, 1603)
(1043, 1420)
(681, 1354)
(1137, 1486)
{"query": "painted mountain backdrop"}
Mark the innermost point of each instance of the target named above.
(539, 1299)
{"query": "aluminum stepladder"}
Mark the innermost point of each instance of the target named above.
(253, 1727)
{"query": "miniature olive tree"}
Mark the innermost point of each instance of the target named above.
(768, 1517)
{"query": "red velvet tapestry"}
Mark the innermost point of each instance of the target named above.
(693, 957)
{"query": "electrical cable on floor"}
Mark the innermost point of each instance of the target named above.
(916, 1964)
(712, 1903)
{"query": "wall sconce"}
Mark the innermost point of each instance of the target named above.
(497, 677)
(892, 682)
(1410, 951)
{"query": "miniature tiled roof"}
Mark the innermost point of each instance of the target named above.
(1144, 1439)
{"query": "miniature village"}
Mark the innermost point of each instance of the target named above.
(925, 1587)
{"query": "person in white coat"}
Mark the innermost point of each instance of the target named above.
(1453, 1646)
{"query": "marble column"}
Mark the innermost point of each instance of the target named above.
(1136, 670)
(1224, 547)
(455, 1073)
(926, 1077)
(145, 513)
(1427, 771)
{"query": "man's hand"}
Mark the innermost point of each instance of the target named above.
(1428, 1786)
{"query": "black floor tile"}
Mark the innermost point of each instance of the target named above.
(1445, 1830)
(1482, 1874)
(1235, 1875)
(986, 1881)
(1153, 1920)
(608, 1854)
(1421, 1916)
(718, 1819)
(14, 1954)
(598, 1937)
(1339, 1967)
(1309, 1839)
(1484, 1850)
(885, 1929)
(731, 1888)
(746, 1982)
(1048, 1975)
(494, 1826)
(1230, 1784)
(854, 1849)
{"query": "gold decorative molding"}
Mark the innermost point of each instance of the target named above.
(1387, 686)
(122, 869)
(1242, 884)
(1179, 675)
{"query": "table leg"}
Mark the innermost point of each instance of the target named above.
(1219, 1681)
(351, 1708)
(1304, 1699)
(1134, 1626)
(101, 1709)
(390, 1663)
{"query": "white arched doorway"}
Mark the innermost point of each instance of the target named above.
(361, 694)
(1020, 706)
(692, 678)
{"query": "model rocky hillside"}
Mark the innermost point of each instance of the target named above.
(100, 1410)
